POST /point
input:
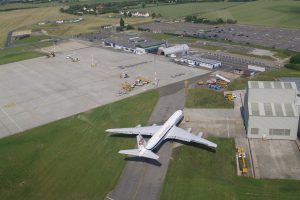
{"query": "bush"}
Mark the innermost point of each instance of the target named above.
(293, 66)
(231, 21)
(188, 18)
(129, 27)
(295, 59)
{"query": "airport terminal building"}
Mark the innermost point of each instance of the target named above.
(270, 110)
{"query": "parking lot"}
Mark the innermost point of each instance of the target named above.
(283, 38)
(230, 62)
(41, 90)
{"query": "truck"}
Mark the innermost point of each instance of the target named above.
(242, 160)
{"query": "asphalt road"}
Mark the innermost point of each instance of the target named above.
(143, 178)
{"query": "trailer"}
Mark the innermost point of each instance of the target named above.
(256, 68)
(223, 78)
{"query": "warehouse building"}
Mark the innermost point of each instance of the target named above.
(270, 110)
(202, 62)
(182, 49)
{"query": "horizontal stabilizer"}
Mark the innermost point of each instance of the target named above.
(132, 152)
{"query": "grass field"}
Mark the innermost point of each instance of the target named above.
(15, 54)
(11, 20)
(195, 173)
(31, 40)
(26, 49)
(206, 98)
(90, 24)
(28, 19)
(72, 158)
(179, 10)
(284, 13)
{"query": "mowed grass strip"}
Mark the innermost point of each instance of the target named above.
(195, 173)
(206, 98)
(22, 52)
(72, 158)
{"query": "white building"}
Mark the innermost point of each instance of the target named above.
(140, 14)
(270, 110)
(177, 49)
(202, 62)
(136, 13)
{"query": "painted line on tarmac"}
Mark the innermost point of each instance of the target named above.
(227, 127)
(13, 121)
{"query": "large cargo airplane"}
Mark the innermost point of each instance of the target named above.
(168, 130)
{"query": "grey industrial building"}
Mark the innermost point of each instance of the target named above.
(135, 44)
(270, 110)
(202, 62)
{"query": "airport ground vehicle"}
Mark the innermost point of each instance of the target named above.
(215, 87)
(242, 160)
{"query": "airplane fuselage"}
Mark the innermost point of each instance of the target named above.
(161, 134)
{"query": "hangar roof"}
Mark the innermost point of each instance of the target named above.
(272, 109)
(271, 85)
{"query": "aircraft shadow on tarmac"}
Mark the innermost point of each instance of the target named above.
(144, 160)
(156, 162)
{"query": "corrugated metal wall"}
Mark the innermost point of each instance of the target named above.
(266, 123)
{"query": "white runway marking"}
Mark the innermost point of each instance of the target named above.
(13, 121)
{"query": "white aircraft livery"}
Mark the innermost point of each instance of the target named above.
(168, 130)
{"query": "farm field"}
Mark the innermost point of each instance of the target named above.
(196, 173)
(285, 13)
(72, 158)
(24, 19)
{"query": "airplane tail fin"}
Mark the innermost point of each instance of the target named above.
(141, 151)
(141, 142)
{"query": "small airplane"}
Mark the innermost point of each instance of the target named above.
(168, 130)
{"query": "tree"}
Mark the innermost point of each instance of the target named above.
(122, 23)
(143, 5)
(220, 21)
(125, 14)
(188, 18)
(129, 14)
(153, 15)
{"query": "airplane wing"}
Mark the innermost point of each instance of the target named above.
(180, 134)
(145, 130)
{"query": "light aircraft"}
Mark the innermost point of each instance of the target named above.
(168, 130)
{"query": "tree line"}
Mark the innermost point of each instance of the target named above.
(202, 20)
